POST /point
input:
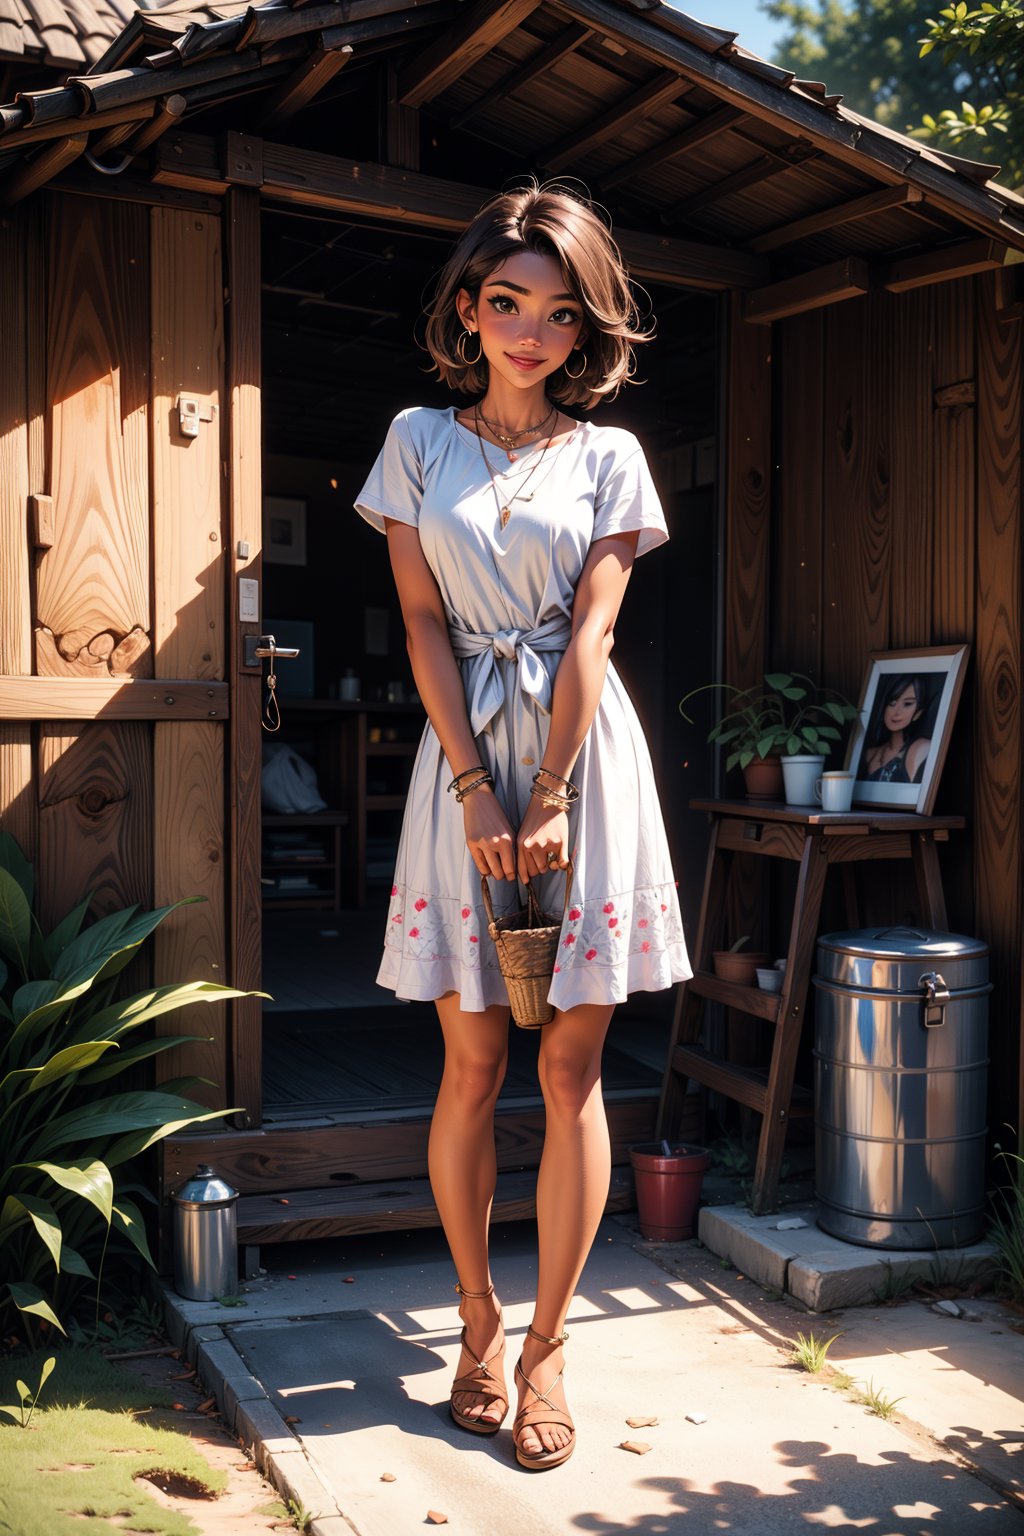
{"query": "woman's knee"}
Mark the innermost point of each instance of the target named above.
(474, 1078)
(568, 1079)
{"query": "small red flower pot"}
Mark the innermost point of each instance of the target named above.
(668, 1189)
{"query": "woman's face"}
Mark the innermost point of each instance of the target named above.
(901, 711)
(527, 319)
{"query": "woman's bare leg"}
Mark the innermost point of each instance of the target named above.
(463, 1169)
(572, 1189)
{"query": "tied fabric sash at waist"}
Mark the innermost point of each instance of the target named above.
(485, 690)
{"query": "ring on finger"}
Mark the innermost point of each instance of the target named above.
(552, 858)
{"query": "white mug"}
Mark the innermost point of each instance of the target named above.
(835, 791)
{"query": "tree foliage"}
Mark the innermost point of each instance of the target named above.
(949, 76)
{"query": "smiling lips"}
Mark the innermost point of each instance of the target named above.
(524, 362)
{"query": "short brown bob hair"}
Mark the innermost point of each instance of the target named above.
(550, 220)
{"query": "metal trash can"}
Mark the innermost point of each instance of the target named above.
(205, 1237)
(901, 1056)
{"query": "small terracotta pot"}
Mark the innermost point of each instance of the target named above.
(763, 779)
(668, 1189)
(739, 965)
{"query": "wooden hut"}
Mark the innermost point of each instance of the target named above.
(216, 222)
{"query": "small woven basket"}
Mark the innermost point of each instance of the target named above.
(527, 945)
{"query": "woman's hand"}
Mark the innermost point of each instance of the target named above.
(543, 832)
(489, 837)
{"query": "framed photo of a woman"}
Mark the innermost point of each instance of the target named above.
(907, 707)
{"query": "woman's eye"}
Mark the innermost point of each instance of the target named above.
(565, 317)
(499, 301)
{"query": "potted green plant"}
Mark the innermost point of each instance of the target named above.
(785, 716)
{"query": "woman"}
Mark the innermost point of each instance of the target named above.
(512, 529)
(896, 754)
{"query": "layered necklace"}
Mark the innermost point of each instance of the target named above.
(503, 499)
(509, 440)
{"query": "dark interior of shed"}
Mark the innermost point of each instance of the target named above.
(341, 355)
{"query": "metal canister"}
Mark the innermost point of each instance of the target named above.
(205, 1237)
(901, 1057)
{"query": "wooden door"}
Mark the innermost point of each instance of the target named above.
(118, 634)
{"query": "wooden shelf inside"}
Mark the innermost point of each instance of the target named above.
(763, 1005)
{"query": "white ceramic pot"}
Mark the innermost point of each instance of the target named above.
(800, 774)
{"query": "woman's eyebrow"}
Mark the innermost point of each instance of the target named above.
(502, 282)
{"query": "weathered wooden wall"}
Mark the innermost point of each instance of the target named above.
(109, 311)
(896, 521)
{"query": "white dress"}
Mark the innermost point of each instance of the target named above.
(508, 595)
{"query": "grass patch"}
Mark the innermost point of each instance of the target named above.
(876, 1401)
(87, 1443)
(810, 1352)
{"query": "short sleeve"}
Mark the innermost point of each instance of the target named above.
(394, 486)
(626, 500)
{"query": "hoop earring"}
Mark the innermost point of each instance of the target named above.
(460, 347)
(581, 372)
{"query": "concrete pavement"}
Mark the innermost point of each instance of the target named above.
(337, 1366)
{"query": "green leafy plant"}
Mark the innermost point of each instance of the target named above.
(17, 1413)
(876, 1401)
(810, 1352)
(1007, 1225)
(66, 1140)
(786, 713)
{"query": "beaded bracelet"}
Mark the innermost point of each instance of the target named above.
(550, 798)
(485, 778)
(477, 768)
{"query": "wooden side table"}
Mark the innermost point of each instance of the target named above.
(815, 840)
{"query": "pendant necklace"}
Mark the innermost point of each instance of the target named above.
(505, 512)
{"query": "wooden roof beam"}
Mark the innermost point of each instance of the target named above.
(618, 119)
(29, 175)
(315, 71)
(846, 279)
(455, 52)
(943, 264)
(755, 174)
(565, 42)
(699, 132)
(831, 218)
(308, 178)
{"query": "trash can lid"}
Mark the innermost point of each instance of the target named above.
(894, 958)
(205, 1188)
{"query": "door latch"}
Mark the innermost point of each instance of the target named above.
(191, 412)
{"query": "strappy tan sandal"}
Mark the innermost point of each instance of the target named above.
(542, 1411)
(481, 1380)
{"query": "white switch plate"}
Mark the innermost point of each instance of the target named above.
(248, 600)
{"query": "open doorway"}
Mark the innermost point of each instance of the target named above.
(341, 310)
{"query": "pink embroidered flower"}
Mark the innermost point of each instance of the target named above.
(645, 947)
(570, 938)
(414, 933)
(591, 954)
(609, 906)
(557, 969)
(394, 890)
(465, 913)
(663, 907)
(473, 939)
(642, 922)
(575, 914)
(613, 922)
(397, 917)
(420, 904)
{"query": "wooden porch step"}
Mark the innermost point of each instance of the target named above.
(395, 1205)
(744, 1084)
(763, 1005)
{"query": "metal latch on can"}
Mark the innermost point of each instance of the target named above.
(936, 997)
